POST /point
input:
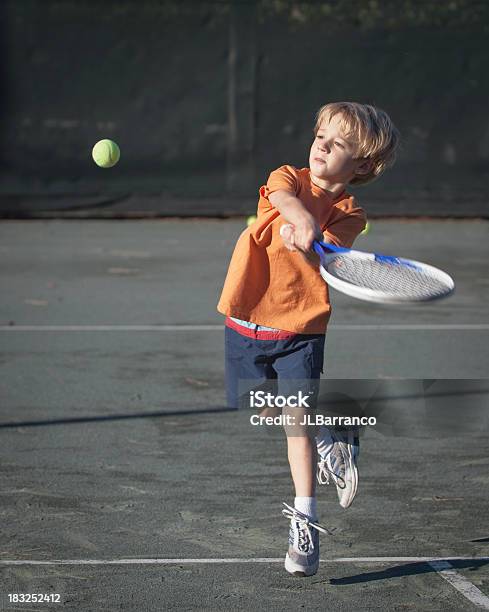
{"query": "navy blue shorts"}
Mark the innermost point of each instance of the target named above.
(251, 363)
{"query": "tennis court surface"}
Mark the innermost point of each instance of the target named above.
(127, 485)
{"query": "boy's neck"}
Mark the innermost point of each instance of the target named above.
(333, 189)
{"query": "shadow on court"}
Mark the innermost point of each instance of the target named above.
(398, 571)
(145, 415)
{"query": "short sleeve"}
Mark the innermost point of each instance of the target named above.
(345, 223)
(284, 178)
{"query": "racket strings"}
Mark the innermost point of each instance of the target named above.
(397, 279)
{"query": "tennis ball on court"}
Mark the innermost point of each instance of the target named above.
(251, 219)
(365, 231)
(106, 153)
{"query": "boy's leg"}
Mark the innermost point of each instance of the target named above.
(298, 371)
(302, 456)
(338, 449)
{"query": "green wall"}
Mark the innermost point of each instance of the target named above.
(205, 99)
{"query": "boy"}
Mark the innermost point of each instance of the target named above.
(276, 303)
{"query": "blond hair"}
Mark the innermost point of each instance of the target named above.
(372, 133)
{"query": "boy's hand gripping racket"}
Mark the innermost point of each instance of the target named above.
(380, 278)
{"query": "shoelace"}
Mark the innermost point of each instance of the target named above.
(324, 474)
(305, 524)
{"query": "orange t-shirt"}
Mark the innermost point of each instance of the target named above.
(269, 285)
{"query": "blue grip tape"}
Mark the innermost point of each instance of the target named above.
(320, 247)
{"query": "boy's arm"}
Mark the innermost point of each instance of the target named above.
(306, 228)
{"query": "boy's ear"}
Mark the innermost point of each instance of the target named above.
(365, 167)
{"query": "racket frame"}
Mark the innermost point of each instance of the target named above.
(372, 295)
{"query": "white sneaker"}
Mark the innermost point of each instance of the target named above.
(302, 558)
(338, 454)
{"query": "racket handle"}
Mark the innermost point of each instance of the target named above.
(320, 247)
(317, 245)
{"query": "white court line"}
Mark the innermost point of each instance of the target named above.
(463, 586)
(439, 564)
(160, 328)
(186, 328)
(164, 561)
(407, 327)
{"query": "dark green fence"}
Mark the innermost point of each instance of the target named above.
(205, 99)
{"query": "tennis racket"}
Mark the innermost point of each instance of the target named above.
(380, 278)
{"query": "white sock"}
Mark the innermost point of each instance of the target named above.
(307, 505)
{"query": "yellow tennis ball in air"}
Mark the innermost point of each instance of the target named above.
(365, 231)
(251, 219)
(106, 153)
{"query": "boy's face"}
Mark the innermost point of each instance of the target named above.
(331, 158)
